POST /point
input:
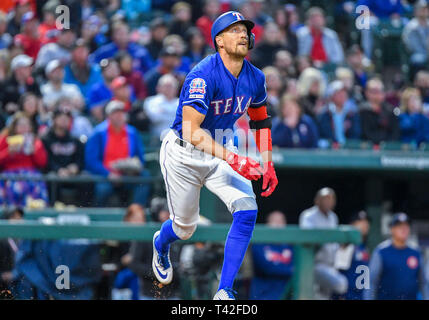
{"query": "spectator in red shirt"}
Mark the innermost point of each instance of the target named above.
(205, 22)
(47, 29)
(29, 38)
(21, 153)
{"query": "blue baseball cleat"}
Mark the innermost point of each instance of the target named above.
(161, 264)
(225, 294)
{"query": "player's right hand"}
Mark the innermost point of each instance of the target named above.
(245, 166)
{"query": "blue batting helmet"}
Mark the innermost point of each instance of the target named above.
(229, 18)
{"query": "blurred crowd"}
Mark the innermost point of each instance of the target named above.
(88, 90)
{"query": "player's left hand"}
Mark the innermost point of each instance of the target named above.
(270, 180)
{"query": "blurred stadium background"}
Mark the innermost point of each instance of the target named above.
(349, 97)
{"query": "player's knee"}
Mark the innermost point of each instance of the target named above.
(184, 232)
(244, 204)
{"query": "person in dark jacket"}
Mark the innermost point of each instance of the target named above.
(65, 153)
(294, 129)
(273, 265)
(414, 124)
(340, 120)
(20, 82)
(270, 44)
(379, 121)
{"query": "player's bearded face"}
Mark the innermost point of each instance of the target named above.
(235, 40)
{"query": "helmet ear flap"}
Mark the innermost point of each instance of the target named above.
(251, 40)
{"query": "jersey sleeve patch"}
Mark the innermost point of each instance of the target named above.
(197, 88)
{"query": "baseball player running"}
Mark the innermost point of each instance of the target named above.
(197, 150)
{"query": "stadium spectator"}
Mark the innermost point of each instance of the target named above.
(356, 61)
(65, 153)
(281, 19)
(59, 50)
(272, 264)
(81, 127)
(197, 49)
(396, 266)
(79, 71)
(340, 120)
(114, 149)
(292, 16)
(416, 36)
(29, 39)
(8, 250)
(127, 284)
(169, 61)
(421, 82)
(179, 46)
(352, 258)
(158, 32)
(122, 91)
(346, 76)
(5, 38)
(20, 82)
(47, 30)
(22, 153)
(317, 41)
(414, 124)
(181, 20)
(271, 43)
(311, 88)
(55, 89)
(92, 32)
(15, 16)
(161, 108)
(101, 92)
(133, 77)
(212, 10)
(274, 87)
(29, 105)
(284, 63)
(378, 120)
(293, 129)
(328, 279)
(121, 41)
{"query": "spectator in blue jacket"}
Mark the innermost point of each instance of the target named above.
(79, 71)
(293, 129)
(396, 266)
(414, 124)
(101, 93)
(121, 42)
(273, 264)
(340, 120)
(114, 150)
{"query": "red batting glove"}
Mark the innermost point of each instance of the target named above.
(269, 180)
(245, 166)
